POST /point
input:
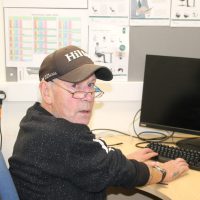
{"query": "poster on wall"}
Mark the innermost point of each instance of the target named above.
(109, 46)
(150, 12)
(185, 13)
(112, 8)
(31, 34)
(109, 35)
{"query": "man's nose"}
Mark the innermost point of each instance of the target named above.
(89, 96)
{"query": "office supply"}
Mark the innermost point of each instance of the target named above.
(184, 188)
(166, 153)
(7, 187)
(171, 97)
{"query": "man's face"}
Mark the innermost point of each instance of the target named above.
(63, 104)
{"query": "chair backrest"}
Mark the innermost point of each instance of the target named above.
(7, 187)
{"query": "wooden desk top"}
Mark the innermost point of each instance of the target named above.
(184, 188)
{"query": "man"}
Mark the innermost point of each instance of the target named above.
(57, 157)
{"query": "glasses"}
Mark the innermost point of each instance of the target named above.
(97, 92)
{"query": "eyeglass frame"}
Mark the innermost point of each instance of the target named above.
(96, 89)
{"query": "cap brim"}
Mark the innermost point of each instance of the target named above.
(83, 72)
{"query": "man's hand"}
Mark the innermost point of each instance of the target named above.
(174, 168)
(142, 155)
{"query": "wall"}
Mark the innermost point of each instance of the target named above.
(160, 40)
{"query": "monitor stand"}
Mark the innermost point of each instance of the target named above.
(189, 143)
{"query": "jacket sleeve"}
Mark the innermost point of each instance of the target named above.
(75, 155)
(93, 166)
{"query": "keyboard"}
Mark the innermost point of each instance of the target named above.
(166, 153)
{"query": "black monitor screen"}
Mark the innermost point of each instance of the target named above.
(171, 94)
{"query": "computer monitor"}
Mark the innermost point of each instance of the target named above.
(171, 96)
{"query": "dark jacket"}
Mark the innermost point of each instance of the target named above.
(54, 159)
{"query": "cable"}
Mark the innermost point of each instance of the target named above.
(113, 130)
(162, 136)
(138, 135)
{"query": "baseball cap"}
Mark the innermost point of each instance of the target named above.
(71, 64)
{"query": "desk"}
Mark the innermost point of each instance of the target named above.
(184, 188)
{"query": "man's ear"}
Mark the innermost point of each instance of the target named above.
(46, 92)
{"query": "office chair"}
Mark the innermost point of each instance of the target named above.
(7, 187)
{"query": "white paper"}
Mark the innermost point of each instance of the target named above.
(150, 12)
(109, 46)
(109, 8)
(185, 13)
(31, 34)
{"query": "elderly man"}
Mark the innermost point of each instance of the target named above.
(57, 157)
